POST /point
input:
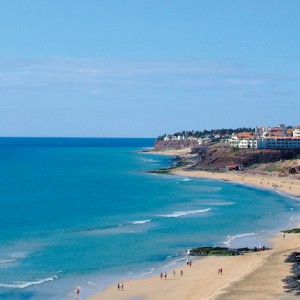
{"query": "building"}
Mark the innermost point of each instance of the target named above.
(296, 131)
(280, 143)
(248, 143)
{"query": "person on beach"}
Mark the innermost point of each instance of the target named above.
(118, 286)
(161, 275)
(284, 236)
(220, 271)
(174, 273)
(78, 292)
(122, 286)
(165, 275)
(181, 272)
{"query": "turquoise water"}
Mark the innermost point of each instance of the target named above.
(83, 212)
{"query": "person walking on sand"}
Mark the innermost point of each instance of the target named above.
(165, 275)
(161, 275)
(78, 292)
(122, 286)
(181, 272)
(118, 286)
(174, 273)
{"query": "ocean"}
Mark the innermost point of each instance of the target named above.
(85, 213)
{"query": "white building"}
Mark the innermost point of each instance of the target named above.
(249, 143)
(280, 143)
(296, 132)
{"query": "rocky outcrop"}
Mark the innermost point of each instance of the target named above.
(222, 251)
(161, 145)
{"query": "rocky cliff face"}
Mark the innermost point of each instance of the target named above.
(220, 155)
(173, 145)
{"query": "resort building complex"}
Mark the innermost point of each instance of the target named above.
(262, 137)
(278, 137)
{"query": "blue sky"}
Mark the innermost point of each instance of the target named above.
(140, 68)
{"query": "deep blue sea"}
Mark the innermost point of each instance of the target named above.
(84, 212)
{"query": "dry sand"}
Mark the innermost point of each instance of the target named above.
(252, 276)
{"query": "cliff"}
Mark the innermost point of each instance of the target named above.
(161, 145)
(220, 155)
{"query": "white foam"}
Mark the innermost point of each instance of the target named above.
(177, 214)
(7, 261)
(185, 179)
(25, 284)
(93, 284)
(141, 221)
(223, 203)
(232, 238)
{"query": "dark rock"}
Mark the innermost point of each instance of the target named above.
(222, 251)
(293, 281)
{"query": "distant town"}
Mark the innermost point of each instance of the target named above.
(261, 137)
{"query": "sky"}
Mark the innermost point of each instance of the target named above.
(142, 68)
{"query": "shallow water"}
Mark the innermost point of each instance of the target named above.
(83, 212)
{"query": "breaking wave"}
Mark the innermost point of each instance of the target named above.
(26, 284)
(7, 261)
(140, 222)
(230, 239)
(177, 214)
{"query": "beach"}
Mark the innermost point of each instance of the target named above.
(281, 184)
(286, 184)
(252, 276)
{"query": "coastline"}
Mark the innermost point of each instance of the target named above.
(252, 276)
(286, 185)
(279, 184)
(258, 275)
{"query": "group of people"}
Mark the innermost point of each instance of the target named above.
(121, 286)
(189, 262)
(165, 274)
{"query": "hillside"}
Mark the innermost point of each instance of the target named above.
(217, 156)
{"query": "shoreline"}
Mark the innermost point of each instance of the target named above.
(260, 274)
(286, 185)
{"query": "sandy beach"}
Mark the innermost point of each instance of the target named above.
(281, 184)
(252, 276)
